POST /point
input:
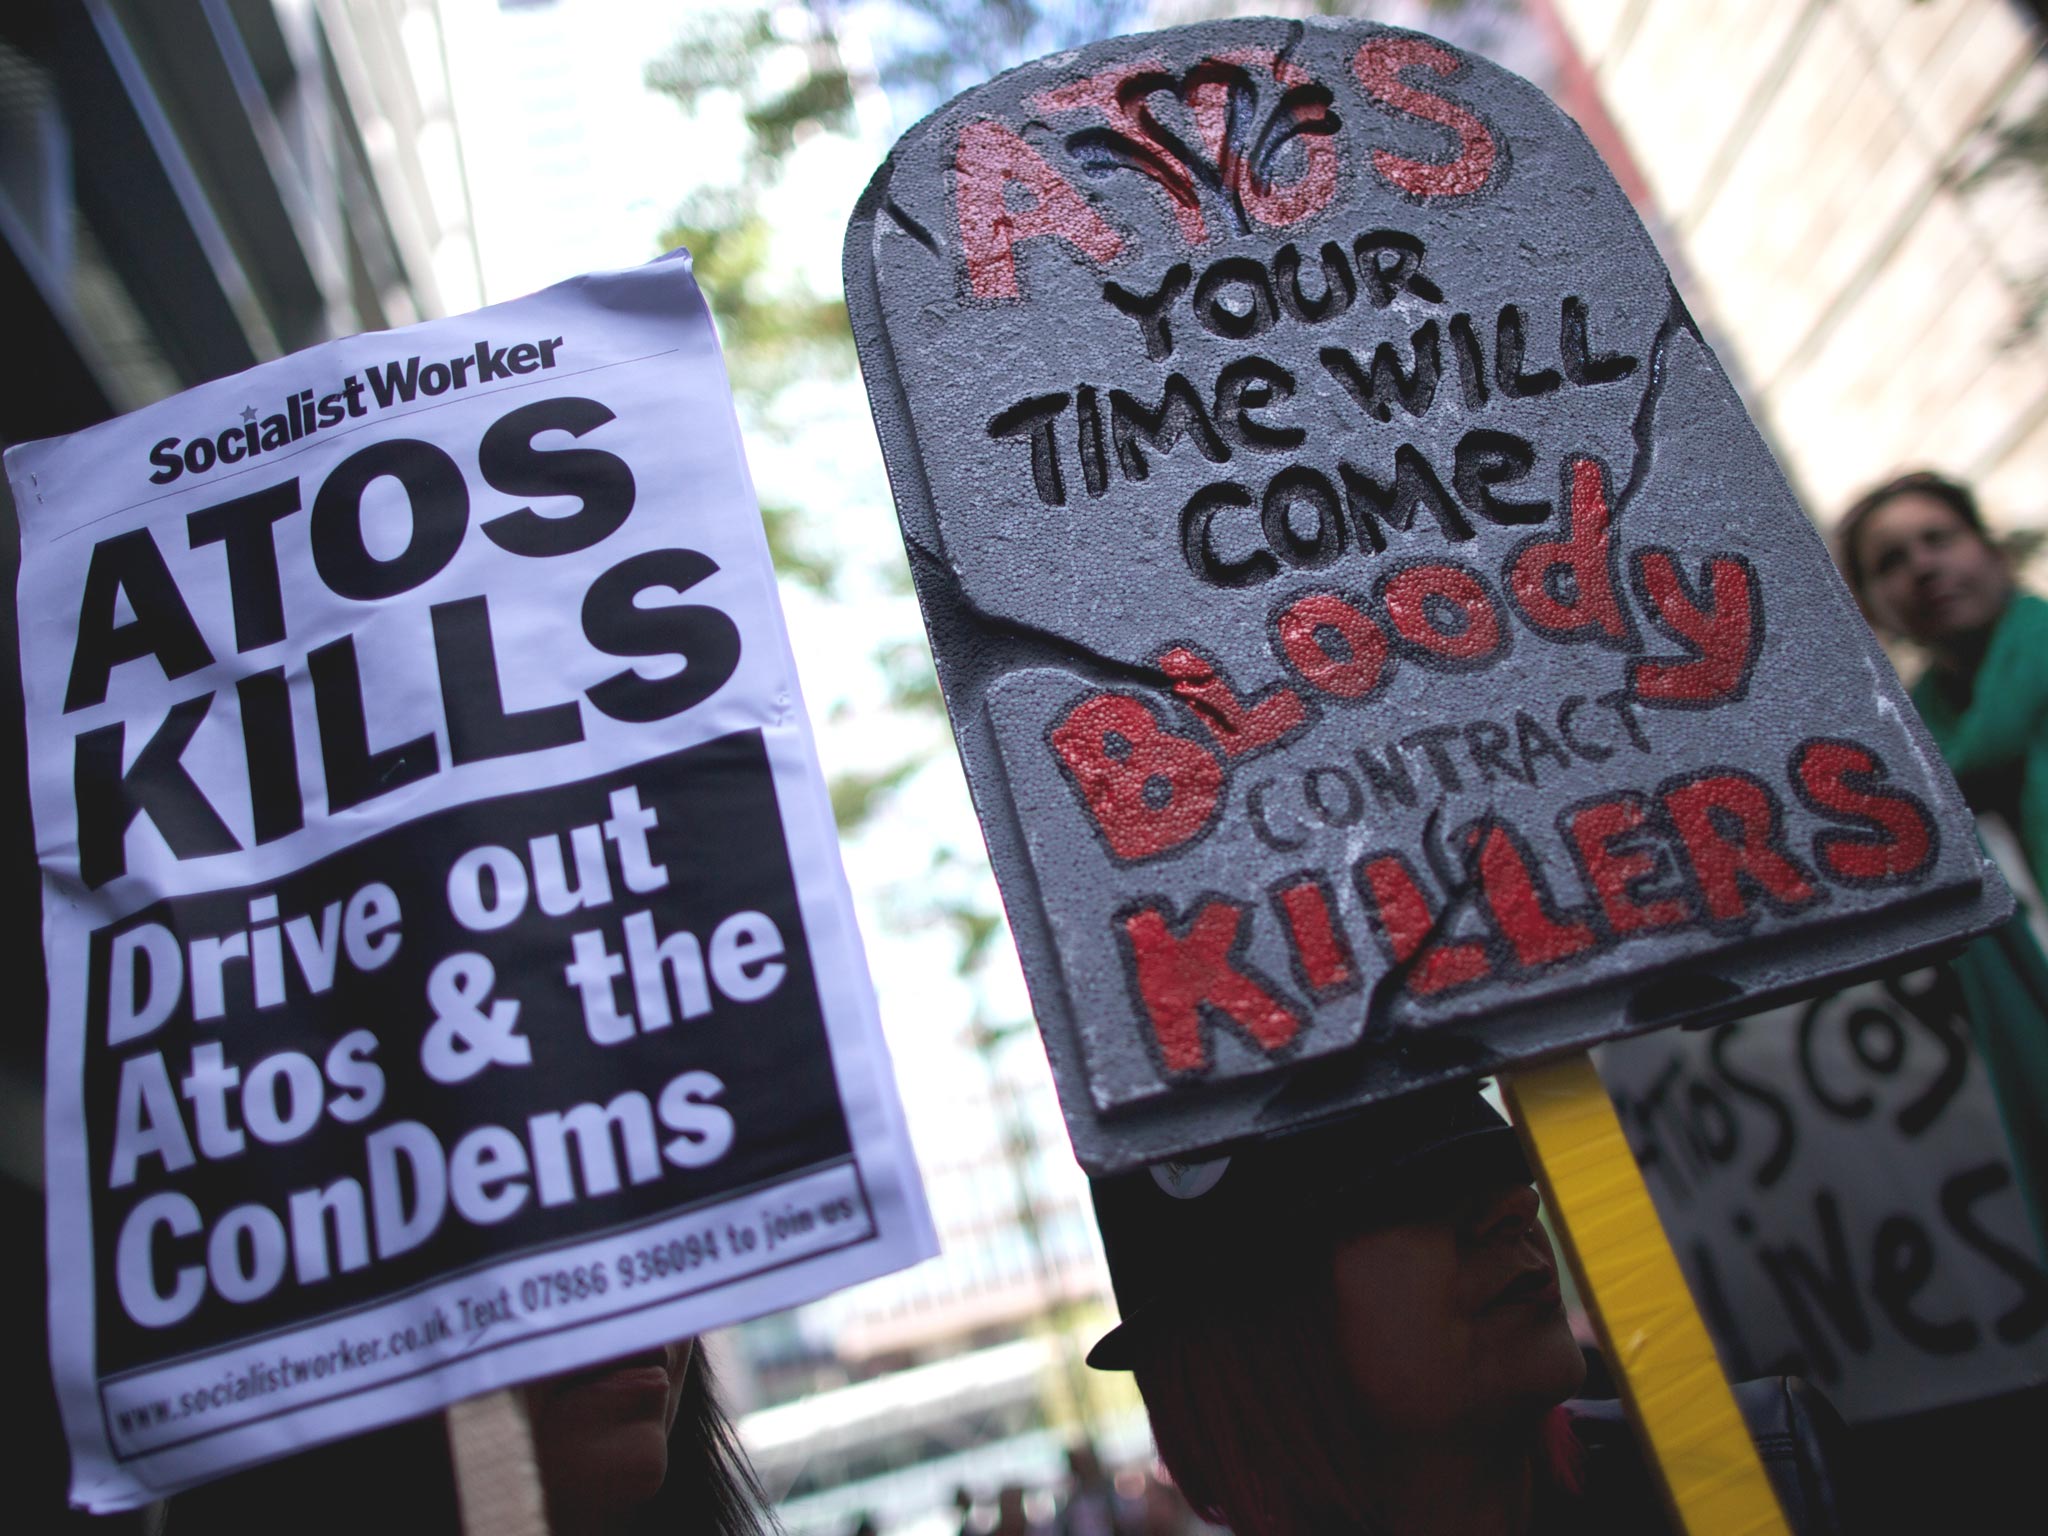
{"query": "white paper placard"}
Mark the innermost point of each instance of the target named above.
(1837, 1185)
(452, 976)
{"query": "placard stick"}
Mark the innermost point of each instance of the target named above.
(497, 1479)
(1656, 1344)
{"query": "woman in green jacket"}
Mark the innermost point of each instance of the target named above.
(1918, 557)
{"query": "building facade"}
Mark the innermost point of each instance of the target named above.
(187, 188)
(1856, 193)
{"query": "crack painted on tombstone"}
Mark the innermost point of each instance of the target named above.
(906, 222)
(1461, 888)
(1675, 319)
(1024, 645)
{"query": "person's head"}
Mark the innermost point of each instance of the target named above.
(1010, 1514)
(602, 1434)
(1334, 1301)
(1084, 1466)
(642, 1445)
(1916, 554)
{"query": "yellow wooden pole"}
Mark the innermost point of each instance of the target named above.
(497, 1479)
(1656, 1344)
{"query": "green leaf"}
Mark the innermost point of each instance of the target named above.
(857, 796)
(793, 556)
(713, 51)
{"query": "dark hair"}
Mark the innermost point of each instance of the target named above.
(1250, 1410)
(1952, 494)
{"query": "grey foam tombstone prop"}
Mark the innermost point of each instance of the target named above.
(1381, 648)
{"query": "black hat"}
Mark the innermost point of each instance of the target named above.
(1200, 1227)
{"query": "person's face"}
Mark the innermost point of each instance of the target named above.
(1453, 1326)
(1926, 573)
(601, 1435)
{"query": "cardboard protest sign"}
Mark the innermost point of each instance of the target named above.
(1381, 648)
(1837, 1185)
(452, 978)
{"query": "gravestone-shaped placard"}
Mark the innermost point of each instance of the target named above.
(1381, 647)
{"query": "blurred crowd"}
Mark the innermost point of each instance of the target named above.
(1135, 1500)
